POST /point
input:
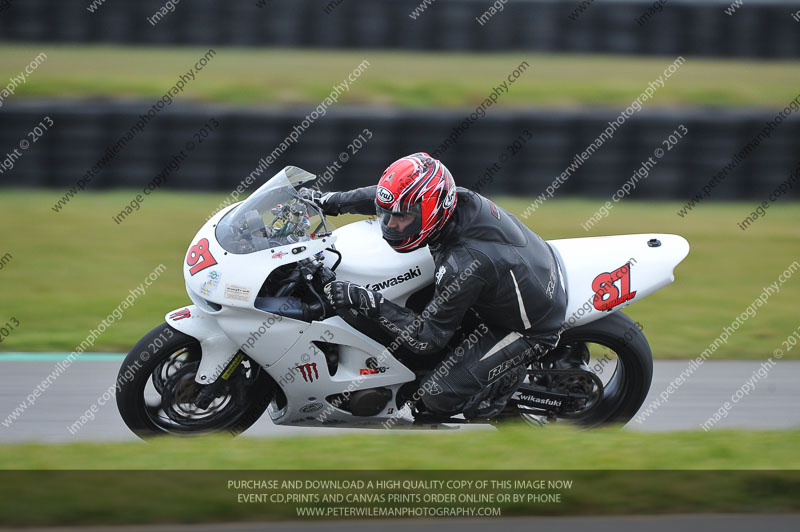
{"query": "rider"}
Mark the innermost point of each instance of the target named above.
(486, 261)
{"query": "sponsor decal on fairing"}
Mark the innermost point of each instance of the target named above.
(410, 274)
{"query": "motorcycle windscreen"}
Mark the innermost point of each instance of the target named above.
(273, 216)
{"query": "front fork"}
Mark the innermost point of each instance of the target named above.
(211, 391)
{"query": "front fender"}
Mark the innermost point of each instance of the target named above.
(216, 348)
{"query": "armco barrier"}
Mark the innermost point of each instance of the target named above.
(82, 133)
(759, 28)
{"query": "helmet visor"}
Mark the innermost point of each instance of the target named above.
(400, 226)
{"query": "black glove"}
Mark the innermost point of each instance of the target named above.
(344, 294)
(316, 197)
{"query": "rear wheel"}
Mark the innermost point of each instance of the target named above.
(157, 393)
(616, 351)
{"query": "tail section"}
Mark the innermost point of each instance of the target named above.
(608, 273)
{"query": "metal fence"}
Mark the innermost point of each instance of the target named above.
(686, 27)
(505, 152)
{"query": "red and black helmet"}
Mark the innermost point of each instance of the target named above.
(416, 185)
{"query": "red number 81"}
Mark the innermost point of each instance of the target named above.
(199, 258)
(603, 285)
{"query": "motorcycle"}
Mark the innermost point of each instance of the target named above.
(260, 337)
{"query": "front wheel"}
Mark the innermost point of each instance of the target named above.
(157, 393)
(616, 351)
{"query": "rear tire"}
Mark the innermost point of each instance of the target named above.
(627, 388)
(146, 362)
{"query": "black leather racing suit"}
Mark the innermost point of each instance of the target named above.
(488, 261)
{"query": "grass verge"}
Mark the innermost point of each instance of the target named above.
(291, 77)
(531, 448)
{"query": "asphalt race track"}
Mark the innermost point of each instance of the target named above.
(768, 406)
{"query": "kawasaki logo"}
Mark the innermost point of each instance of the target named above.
(412, 272)
(385, 195)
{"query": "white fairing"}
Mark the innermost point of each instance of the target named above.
(652, 259)
(226, 317)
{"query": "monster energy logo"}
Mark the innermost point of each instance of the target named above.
(306, 371)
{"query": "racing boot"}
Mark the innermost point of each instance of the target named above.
(491, 401)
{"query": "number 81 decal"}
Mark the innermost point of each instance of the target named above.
(199, 257)
(604, 285)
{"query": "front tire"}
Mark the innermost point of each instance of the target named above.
(156, 388)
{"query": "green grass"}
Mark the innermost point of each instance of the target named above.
(289, 77)
(71, 269)
(612, 472)
(532, 448)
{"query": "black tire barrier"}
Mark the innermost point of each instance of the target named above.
(518, 152)
(680, 27)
